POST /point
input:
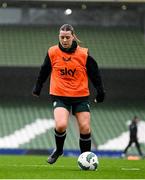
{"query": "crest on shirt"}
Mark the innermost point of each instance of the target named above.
(66, 59)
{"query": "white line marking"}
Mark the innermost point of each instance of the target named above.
(130, 169)
(34, 165)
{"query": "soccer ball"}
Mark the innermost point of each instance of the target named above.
(88, 161)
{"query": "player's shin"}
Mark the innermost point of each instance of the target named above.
(85, 142)
(59, 140)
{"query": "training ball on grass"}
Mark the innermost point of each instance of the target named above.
(88, 161)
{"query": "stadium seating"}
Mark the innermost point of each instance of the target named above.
(19, 122)
(111, 47)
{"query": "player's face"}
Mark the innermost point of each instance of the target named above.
(66, 38)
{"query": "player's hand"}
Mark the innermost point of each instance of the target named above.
(36, 90)
(35, 95)
(100, 97)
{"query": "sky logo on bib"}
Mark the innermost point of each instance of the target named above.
(69, 72)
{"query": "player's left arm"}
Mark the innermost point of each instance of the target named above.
(95, 77)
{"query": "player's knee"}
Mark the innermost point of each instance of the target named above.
(61, 127)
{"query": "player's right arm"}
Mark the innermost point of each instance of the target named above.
(44, 72)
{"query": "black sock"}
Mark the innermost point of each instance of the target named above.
(59, 140)
(85, 142)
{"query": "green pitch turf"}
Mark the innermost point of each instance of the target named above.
(35, 167)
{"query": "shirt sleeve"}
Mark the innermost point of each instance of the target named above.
(45, 71)
(94, 74)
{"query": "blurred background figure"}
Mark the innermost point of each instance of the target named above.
(133, 130)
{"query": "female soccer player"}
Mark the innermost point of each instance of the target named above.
(69, 67)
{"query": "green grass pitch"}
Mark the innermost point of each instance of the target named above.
(36, 167)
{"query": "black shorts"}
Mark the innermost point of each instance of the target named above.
(74, 106)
